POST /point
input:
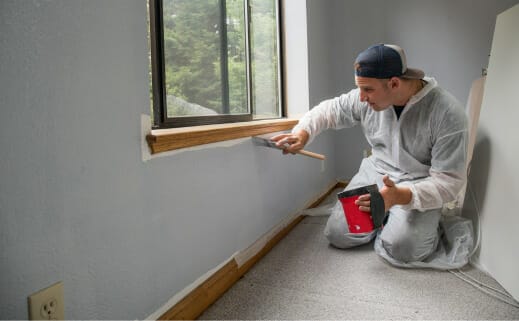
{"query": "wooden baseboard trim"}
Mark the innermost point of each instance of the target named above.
(198, 300)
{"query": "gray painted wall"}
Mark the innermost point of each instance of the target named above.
(334, 41)
(449, 40)
(78, 204)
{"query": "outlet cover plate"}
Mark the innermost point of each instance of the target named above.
(47, 304)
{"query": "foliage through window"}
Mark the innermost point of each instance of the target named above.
(214, 61)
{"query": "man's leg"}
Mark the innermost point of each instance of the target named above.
(338, 234)
(336, 230)
(410, 236)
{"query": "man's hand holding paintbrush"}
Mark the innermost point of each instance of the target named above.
(292, 142)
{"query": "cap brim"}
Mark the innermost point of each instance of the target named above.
(413, 73)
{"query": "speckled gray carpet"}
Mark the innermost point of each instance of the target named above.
(305, 278)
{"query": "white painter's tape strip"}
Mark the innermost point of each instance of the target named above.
(243, 256)
(145, 130)
(146, 153)
(188, 289)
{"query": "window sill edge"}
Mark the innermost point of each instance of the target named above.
(163, 140)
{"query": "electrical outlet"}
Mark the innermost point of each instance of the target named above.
(47, 304)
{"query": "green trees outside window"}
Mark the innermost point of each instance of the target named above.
(220, 57)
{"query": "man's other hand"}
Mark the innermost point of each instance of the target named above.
(393, 194)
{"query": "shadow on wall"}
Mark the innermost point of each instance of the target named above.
(478, 180)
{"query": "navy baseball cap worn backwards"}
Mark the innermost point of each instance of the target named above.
(384, 61)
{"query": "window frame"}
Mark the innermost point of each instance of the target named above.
(158, 74)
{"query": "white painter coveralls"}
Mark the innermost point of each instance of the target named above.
(424, 150)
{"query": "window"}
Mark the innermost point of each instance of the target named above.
(214, 61)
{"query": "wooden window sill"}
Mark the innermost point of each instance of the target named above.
(162, 140)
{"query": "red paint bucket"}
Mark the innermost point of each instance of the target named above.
(358, 221)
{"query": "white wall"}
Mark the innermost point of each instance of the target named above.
(450, 40)
(295, 45)
(78, 204)
(494, 179)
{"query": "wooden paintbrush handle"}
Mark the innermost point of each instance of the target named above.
(311, 154)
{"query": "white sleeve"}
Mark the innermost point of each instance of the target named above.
(447, 174)
(336, 113)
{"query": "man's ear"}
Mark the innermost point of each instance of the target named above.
(394, 82)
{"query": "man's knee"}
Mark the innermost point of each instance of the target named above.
(405, 248)
(339, 236)
(336, 236)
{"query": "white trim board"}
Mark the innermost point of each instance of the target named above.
(496, 154)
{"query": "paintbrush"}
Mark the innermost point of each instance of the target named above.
(260, 141)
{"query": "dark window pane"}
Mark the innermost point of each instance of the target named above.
(193, 42)
(214, 61)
